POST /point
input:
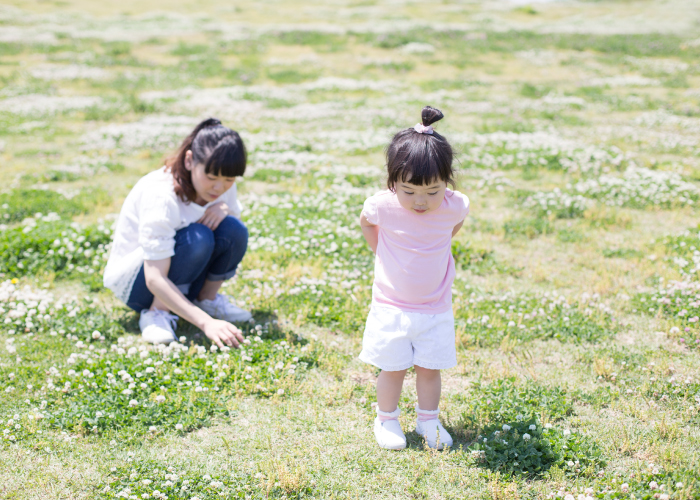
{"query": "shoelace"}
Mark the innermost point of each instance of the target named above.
(221, 305)
(165, 319)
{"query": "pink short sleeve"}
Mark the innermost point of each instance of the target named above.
(464, 206)
(369, 210)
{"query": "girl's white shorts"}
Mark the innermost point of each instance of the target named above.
(395, 340)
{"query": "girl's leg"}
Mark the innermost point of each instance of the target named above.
(387, 430)
(230, 245)
(428, 387)
(194, 245)
(389, 386)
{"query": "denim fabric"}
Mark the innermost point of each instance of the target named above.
(200, 254)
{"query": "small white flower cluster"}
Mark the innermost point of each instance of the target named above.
(492, 181)
(557, 203)
(639, 188)
(27, 310)
(504, 150)
(39, 105)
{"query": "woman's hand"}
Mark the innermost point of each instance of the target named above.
(222, 332)
(214, 215)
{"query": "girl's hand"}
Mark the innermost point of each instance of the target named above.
(222, 332)
(214, 215)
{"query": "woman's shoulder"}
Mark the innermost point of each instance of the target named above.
(158, 183)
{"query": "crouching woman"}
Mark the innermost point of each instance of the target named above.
(179, 237)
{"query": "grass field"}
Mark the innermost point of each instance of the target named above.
(577, 298)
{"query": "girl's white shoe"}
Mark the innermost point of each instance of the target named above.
(388, 433)
(434, 433)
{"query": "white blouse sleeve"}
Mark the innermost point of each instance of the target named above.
(158, 218)
(231, 199)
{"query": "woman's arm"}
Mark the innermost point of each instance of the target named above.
(219, 332)
(456, 229)
(370, 232)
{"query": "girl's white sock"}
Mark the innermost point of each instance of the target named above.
(385, 416)
(425, 415)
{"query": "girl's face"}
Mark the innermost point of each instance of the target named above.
(421, 199)
(208, 186)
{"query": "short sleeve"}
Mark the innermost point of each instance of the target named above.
(369, 210)
(231, 199)
(158, 218)
(462, 206)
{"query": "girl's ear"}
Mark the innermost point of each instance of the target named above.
(189, 165)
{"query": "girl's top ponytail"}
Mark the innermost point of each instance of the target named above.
(219, 148)
(430, 115)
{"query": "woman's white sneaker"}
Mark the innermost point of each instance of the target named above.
(158, 327)
(434, 433)
(221, 308)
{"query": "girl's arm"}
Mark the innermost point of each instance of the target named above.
(370, 232)
(456, 229)
(219, 332)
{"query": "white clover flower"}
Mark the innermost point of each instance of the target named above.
(653, 485)
(526, 436)
(96, 335)
(160, 398)
(519, 417)
(570, 463)
(178, 427)
(152, 428)
(127, 392)
(280, 392)
(624, 488)
(566, 432)
(506, 427)
(533, 427)
(133, 403)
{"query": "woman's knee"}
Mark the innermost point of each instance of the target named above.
(233, 230)
(198, 242)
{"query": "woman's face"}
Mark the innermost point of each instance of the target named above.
(208, 186)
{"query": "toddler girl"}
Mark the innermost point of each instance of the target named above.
(410, 323)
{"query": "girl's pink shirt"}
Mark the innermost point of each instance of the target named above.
(414, 268)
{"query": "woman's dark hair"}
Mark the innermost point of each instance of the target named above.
(219, 148)
(420, 158)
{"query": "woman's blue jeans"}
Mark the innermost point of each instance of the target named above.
(200, 254)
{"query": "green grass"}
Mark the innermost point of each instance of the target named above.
(576, 299)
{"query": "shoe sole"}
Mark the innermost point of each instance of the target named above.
(390, 448)
(400, 447)
(159, 340)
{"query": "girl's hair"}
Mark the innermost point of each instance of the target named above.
(219, 148)
(420, 158)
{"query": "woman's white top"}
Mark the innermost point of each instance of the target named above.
(151, 215)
